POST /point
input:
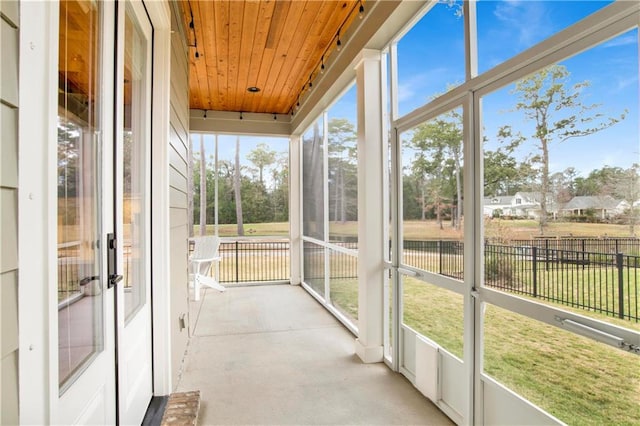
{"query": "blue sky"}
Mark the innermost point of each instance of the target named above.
(431, 58)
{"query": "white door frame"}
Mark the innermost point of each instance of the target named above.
(38, 336)
(160, 15)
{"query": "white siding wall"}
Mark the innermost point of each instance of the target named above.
(9, 212)
(178, 221)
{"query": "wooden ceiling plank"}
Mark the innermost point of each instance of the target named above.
(222, 50)
(247, 46)
(200, 87)
(298, 16)
(258, 50)
(208, 56)
(269, 54)
(308, 60)
(289, 88)
(236, 12)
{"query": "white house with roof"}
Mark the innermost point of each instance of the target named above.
(604, 206)
(527, 204)
(497, 206)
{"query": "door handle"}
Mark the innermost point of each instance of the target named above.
(114, 279)
(112, 252)
(87, 280)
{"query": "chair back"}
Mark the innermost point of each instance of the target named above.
(205, 247)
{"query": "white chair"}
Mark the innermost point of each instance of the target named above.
(205, 254)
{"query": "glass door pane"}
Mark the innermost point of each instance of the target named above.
(80, 304)
(136, 165)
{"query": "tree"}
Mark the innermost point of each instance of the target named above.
(312, 181)
(203, 189)
(237, 189)
(500, 173)
(628, 188)
(342, 169)
(280, 193)
(558, 113)
(440, 140)
(262, 156)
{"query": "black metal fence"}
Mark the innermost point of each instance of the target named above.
(608, 283)
(442, 257)
(253, 261)
(626, 245)
(605, 281)
(600, 282)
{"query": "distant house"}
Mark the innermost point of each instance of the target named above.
(527, 204)
(604, 206)
(497, 206)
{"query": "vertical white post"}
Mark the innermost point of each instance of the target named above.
(371, 223)
(215, 197)
(163, 340)
(295, 210)
(37, 228)
(473, 190)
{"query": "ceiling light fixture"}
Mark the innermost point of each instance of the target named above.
(361, 10)
(322, 65)
(275, 116)
(253, 89)
(338, 43)
(205, 114)
(241, 115)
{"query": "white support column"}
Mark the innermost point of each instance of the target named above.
(37, 228)
(371, 223)
(160, 15)
(295, 211)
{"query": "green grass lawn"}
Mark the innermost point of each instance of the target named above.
(429, 229)
(578, 380)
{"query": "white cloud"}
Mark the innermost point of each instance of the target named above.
(422, 84)
(527, 19)
(623, 83)
(624, 40)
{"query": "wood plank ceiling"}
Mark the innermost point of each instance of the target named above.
(277, 46)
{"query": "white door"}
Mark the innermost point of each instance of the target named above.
(132, 212)
(86, 343)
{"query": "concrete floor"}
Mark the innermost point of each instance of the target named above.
(273, 355)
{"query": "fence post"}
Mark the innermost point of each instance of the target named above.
(237, 263)
(619, 264)
(546, 253)
(440, 253)
(534, 253)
